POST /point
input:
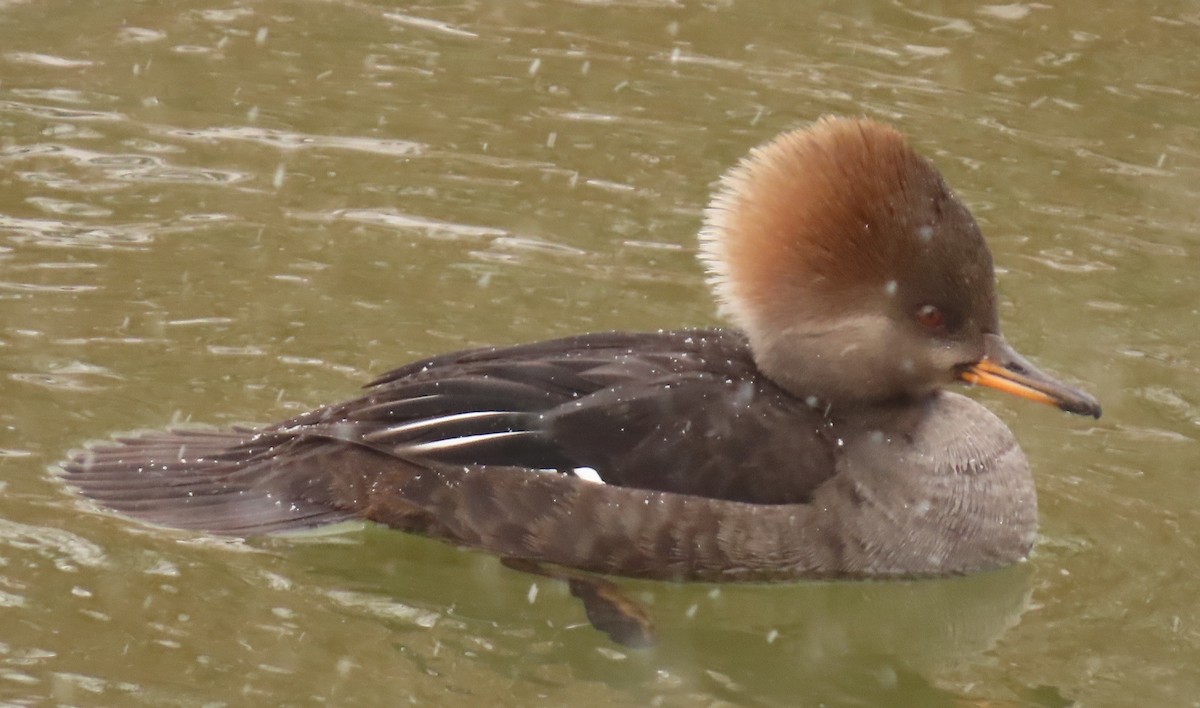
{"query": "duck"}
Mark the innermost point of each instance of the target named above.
(817, 436)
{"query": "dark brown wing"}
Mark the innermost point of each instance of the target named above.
(673, 411)
(702, 434)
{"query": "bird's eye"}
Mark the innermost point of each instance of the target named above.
(931, 318)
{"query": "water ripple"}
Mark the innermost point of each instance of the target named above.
(47, 60)
(1067, 261)
(121, 167)
(66, 550)
(56, 113)
(288, 140)
(76, 97)
(430, 25)
(383, 608)
(430, 227)
(42, 288)
(75, 376)
(47, 232)
(68, 208)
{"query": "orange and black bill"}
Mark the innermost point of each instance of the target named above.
(1004, 369)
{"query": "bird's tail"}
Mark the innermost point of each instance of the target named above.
(237, 482)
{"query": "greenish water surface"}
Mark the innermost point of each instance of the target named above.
(231, 212)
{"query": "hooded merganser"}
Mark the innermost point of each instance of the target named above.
(814, 440)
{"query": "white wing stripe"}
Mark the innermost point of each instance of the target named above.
(465, 441)
(417, 426)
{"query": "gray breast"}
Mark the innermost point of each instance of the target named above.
(942, 490)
